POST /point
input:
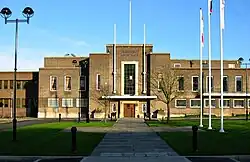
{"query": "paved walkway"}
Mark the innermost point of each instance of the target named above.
(132, 140)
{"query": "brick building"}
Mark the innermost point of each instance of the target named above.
(119, 79)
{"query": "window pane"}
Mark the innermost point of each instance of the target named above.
(53, 83)
(67, 83)
(195, 103)
(225, 84)
(129, 79)
(195, 83)
(213, 103)
(181, 103)
(238, 84)
(11, 84)
(5, 84)
(226, 103)
(1, 84)
(83, 83)
(18, 84)
(181, 83)
(238, 103)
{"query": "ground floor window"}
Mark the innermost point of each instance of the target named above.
(213, 103)
(195, 103)
(238, 103)
(226, 103)
(53, 102)
(181, 103)
(81, 102)
(67, 102)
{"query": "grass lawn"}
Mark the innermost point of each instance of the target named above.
(49, 139)
(234, 142)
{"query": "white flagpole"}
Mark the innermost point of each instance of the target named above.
(144, 61)
(221, 61)
(201, 47)
(209, 68)
(114, 61)
(130, 21)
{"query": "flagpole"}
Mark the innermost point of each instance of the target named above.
(144, 60)
(130, 21)
(209, 66)
(114, 61)
(201, 46)
(221, 63)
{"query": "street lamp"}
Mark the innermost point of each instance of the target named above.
(241, 60)
(6, 14)
(76, 64)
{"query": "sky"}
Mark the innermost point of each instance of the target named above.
(86, 26)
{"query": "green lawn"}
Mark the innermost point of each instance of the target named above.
(49, 139)
(235, 141)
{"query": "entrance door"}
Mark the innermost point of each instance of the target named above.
(129, 110)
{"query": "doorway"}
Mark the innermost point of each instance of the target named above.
(129, 110)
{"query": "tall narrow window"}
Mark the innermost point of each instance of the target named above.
(5, 84)
(181, 83)
(238, 83)
(225, 83)
(159, 82)
(11, 84)
(53, 83)
(18, 84)
(98, 81)
(1, 84)
(195, 83)
(67, 83)
(212, 83)
(83, 83)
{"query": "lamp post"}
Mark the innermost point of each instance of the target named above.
(74, 62)
(6, 14)
(241, 60)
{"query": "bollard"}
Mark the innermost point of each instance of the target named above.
(73, 142)
(195, 129)
(60, 117)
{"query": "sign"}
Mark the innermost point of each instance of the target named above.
(129, 52)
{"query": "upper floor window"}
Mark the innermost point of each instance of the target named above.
(18, 84)
(53, 83)
(98, 81)
(1, 84)
(225, 83)
(113, 108)
(5, 84)
(181, 83)
(11, 84)
(195, 83)
(212, 83)
(159, 82)
(67, 83)
(231, 66)
(238, 83)
(83, 83)
(177, 65)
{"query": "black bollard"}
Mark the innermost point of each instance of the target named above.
(195, 130)
(60, 117)
(73, 142)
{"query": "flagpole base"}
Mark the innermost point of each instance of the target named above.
(210, 128)
(221, 130)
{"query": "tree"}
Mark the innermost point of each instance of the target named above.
(164, 85)
(101, 97)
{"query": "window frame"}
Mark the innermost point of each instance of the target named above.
(71, 101)
(225, 76)
(65, 86)
(177, 65)
(239, 100)
(194, 99)
(85, 84)
(50, 82)
(223, 102)
(207, 106)
(235, 83)
(180, 106)
(178, 88)
(55, 99)
(98, 82)
(193, 83)
(84, 102)
(207, 84)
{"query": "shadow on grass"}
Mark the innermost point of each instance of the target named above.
(48, 140)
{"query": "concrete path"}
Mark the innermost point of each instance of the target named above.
(132, 140)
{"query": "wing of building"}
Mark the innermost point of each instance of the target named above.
(119, 81)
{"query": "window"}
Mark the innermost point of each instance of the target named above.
(248, 102)
(181, 83)
(231, 66)
(195, 83)
(144, 108)
(212, 83)
(113, 108)
(67, 102)
(238, 83)
(129, 79)
(177, 65)
(213, 103)
(195, 103)
(18, 84)
(53, 83)
(98, 81)
(225, 83)
(67, 83)
(24, 84)
(6, 102)
(83, 83)
(226, 103)
(18, 103)
(53, 102)
(159, 82)
(11, 84)
(81, 102)
(238, 103)
(5, 84)
(1, 84)
(180, 103)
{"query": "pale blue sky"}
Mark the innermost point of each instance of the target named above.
(85, 26)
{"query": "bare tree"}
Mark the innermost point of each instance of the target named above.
(164, 84)
(101, 96)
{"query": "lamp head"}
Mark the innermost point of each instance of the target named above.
(28, 12)
(240, 59)
(74, 62)
(5, 13)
